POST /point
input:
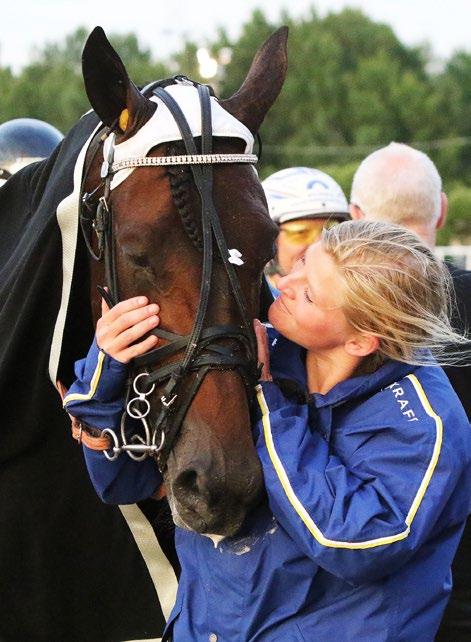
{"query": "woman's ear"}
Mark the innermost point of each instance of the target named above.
(355, 212)
(361, 344)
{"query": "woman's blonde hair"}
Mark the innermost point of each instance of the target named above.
(395, 288)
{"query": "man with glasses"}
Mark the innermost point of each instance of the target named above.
(302, 201)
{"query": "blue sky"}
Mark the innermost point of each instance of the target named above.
(161, 24)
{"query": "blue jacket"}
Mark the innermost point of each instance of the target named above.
(368, 490)
(96, 398)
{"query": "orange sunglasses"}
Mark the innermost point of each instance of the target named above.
(305, 231)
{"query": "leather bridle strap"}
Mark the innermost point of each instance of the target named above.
(203, 182)
(203, 178)
(111, 273)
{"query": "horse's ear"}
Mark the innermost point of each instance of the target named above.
(263, 83)
(112, 94)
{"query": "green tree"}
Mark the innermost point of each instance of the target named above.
(458, 224)
(51, 88)
(350, 82)
(453, 90)
(352, 86)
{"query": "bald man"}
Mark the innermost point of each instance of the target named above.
(402, 185)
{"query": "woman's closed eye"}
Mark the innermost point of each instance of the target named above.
(307, 297)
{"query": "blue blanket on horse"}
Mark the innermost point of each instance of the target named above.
(71, 568)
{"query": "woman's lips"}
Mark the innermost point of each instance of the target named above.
(279, 301)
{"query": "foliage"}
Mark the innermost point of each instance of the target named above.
(352, 86)
(51, 88)
(458, 227)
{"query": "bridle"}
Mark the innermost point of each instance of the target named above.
(202, 347)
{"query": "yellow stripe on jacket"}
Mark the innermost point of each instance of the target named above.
(303, 513)
(93, 384)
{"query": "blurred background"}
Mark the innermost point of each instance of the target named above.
(361, 74)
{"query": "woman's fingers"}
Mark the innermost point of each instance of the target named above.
(136, 349)
(104, 307)
(263, 353)
(128, 305)
(129, 319)
(114, 321)
(125, 338)
(262, 344)
(124, 324)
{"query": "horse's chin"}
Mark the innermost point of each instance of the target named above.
(214, 524)
(212, 493)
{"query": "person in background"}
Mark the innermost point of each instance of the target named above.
(24, 141)
(302, 201)
(401, 185)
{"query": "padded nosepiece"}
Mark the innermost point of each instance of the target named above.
(162, 128)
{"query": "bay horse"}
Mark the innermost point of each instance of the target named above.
(173, 206)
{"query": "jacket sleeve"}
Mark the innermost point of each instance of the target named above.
(361, 516)
(122, 481)
(97, 398)
(97, 395)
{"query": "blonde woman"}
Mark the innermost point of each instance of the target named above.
(364, 447)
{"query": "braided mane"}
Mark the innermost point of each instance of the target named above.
(180, 179)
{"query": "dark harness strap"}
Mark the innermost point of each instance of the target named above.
(203, 178)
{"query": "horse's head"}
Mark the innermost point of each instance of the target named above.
(165, 242)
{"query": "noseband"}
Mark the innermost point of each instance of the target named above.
(202, 347)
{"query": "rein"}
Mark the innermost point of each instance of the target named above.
(202, 350)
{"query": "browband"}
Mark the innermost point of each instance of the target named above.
(185, 159)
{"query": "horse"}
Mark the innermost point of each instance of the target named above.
(48, 307)
(173, 214)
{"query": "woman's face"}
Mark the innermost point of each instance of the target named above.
(308, 310)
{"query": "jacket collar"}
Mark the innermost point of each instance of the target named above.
(368, 384)
(288, 362)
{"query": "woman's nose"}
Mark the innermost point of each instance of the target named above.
(285, 285)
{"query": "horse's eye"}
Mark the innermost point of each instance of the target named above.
(141, 260)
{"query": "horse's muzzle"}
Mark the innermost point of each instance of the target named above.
(206, 502)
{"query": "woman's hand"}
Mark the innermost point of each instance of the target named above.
(125, 323)
(263, 352)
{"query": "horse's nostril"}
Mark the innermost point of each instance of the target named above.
(196, 485)
(187, 481)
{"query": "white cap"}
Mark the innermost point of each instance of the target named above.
(303, 192)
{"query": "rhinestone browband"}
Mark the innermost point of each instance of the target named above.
(187, 159)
